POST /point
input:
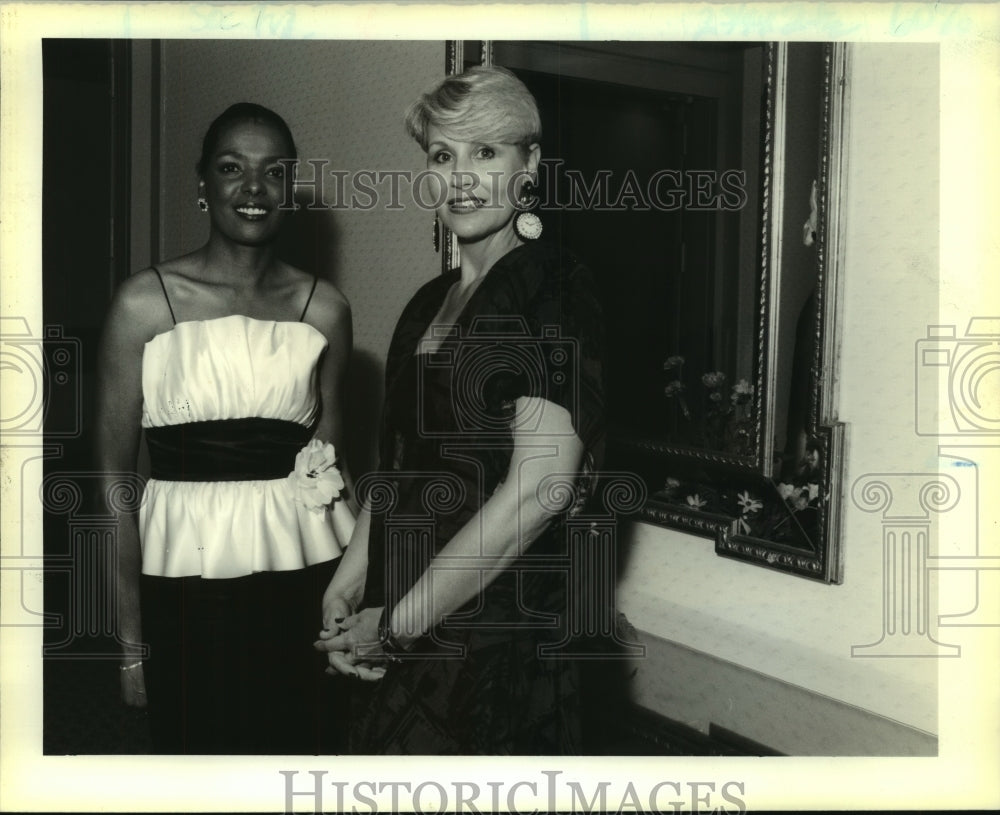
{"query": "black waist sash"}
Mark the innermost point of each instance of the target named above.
(226, 450)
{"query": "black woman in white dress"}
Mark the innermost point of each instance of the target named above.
(232, 363)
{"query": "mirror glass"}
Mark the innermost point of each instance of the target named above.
(651, 174)
(694, 179)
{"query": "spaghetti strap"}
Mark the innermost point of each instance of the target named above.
(309, 300)
(165, 297)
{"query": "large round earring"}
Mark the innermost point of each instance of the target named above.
(527, 225)
(202, 203)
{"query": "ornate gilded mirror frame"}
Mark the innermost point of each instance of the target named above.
(780, 509)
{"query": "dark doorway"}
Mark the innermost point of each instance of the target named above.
(85, 229)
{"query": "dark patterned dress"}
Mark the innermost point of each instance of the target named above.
(480, 682)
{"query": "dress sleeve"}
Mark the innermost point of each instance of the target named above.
(565, 322)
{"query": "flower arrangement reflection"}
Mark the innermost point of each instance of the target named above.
(786, 511)
(723, 423)
(799, 488)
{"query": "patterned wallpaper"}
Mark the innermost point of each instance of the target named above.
(343, 101)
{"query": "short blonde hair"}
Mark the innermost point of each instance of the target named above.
(485, 103)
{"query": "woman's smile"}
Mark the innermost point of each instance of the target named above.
(252, 212)
(464, 204)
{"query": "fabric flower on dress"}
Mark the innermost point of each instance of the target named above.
(316, 481)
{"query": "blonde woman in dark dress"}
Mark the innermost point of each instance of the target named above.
(492, 422)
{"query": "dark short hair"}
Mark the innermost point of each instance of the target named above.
(241, 112)
(484, 103)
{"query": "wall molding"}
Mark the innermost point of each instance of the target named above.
(714, 696)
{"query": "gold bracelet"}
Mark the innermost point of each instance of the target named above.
(130, 667)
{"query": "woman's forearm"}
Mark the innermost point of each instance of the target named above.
(539, 485)
(126, 569)
(349, 579)
(508, 523)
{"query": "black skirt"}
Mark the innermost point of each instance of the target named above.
(231, 668)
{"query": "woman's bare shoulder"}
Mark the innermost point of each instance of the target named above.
(330, 297)
(140, 308)
(329, 310)
(189, 267)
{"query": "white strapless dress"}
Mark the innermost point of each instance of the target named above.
(233, 367)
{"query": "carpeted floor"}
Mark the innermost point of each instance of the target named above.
(83, 714)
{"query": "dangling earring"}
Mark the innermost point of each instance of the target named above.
(202, 203)
(437, 234)
(527, 225)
